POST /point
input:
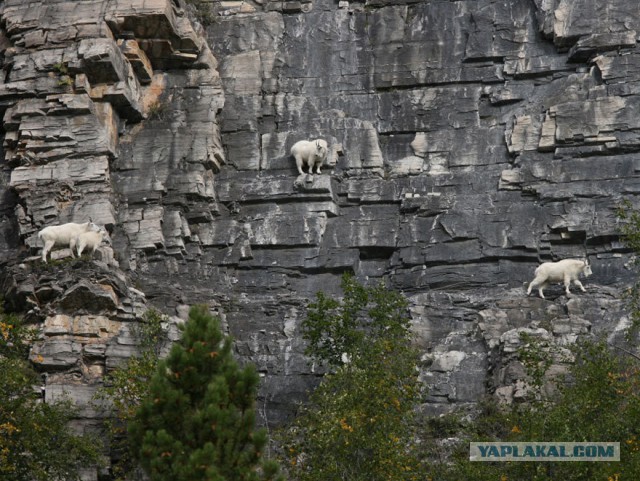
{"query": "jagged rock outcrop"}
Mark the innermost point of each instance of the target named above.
(472, 140)
(88, 89)
(475, 139)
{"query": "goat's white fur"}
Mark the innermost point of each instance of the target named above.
(566, 270)
(62, 235)
(90, 240)
(310, 152)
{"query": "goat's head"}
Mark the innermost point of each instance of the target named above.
(321, 148)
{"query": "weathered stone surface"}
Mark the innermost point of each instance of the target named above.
(81, 326)
(81, 84)
(469, 141)
(490, 148)
(56, 353)
(86, 296)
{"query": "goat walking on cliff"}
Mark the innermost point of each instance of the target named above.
(566, 270)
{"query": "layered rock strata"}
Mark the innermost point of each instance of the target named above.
(471, 140)
(88, 89)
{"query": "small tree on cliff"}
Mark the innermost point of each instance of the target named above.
(359, 423)
(198, 422)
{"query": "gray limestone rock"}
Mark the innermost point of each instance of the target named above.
(469, 141)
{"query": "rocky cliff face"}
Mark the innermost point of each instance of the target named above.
(471, 140)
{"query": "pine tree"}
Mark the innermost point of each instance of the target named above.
(198, 422)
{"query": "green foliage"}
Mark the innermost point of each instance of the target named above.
(630, 225)
(157, 110)
(203, 11)
(537, 355)
(36, 443)
(61, 68)
(599, 401)
(126, 386)
(358, 424)
(15, 337)
(63, 73)
(65, 80)
(365, 324)
(198, 422)
(630, 228)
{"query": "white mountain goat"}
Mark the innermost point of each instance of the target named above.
(90, 240)
(310, 152)
(566, 270)
(62, 235)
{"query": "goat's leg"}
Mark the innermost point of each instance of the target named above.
(299, 163)
(579, 284)
(48, 245)
(537, 281)
(542, 286)
(567, 282)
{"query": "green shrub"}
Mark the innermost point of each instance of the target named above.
(36, 443)
(359, 423)
(599, 401)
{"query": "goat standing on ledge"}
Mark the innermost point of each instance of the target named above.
(63, 235)
(312, 153)
(90, 240)
(566, 270)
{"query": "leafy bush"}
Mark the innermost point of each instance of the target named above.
(36, 443)
(598, 402)
(359, 423)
